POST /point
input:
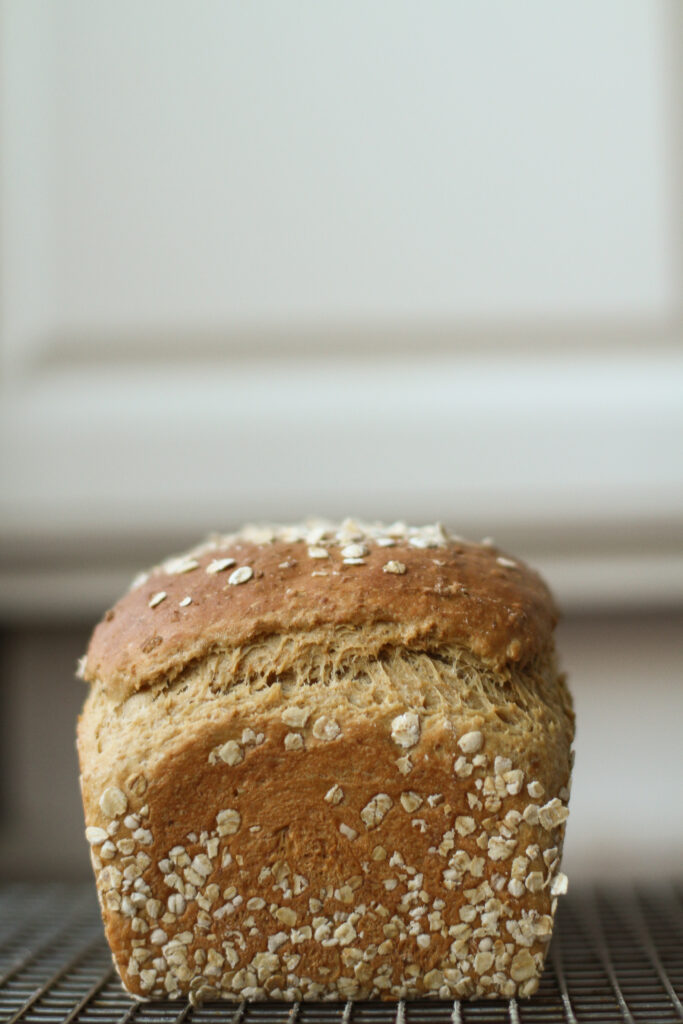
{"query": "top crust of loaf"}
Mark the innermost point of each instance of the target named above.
(434, 588)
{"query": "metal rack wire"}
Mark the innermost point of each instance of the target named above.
(617, 955)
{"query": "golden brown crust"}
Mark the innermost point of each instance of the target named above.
(348, 864)
(360, 793)
(452, 592)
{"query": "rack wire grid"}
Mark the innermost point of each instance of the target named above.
(617, 955)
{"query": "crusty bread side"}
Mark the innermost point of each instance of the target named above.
(291, 798)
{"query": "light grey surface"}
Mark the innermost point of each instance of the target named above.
(625, 672)
(250, 165)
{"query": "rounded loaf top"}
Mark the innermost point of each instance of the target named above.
(434, 588)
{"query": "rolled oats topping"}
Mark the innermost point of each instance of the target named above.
(553, 814)
(513, 781)
(113, 802)
(176, 904)
(95, 835)
(241, 575)
(410, 801)
(345, 933)
(405, 729)
(295, 716)
(228, 822)
(219, 565)
(471, 742)
(376, 809)
(230, 753)
(516, 887)
(294, 741)
(559, 885)
(523, 966)
(139, 580)
(325, 728)
(179, 566)
(465, 825)
(315, 551)
(534, 881)
(354, 551)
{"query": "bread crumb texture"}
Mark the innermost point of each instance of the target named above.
(293, 797)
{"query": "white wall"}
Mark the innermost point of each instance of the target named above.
(261, 260)
(626, 816)
(217, 166)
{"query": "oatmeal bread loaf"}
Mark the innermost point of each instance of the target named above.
(328, 762)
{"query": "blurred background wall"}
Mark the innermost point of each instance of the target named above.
(392, 260)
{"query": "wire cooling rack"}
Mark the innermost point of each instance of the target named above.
(617, 955)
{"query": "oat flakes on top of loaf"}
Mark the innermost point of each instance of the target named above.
(328, 761)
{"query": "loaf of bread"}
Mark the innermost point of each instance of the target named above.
(328, 762)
